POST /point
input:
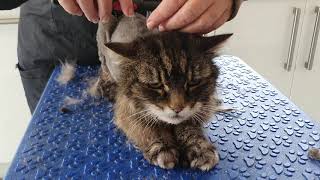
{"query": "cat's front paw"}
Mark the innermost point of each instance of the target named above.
(202, 155)
(165, 157)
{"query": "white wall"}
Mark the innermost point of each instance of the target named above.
(10, 16)
(14, 112)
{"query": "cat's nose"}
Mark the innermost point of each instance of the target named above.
(177, 109)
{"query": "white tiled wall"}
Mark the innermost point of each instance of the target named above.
(14, 113)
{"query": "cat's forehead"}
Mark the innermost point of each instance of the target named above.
(165, 72)
(147, 73)
(173, 60)
(167, 56)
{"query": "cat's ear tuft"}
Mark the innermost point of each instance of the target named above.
(127, 50)
(211, 43)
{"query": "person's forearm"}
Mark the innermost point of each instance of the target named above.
(236, 6)
(10, 4)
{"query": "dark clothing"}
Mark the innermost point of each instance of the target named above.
(10, 4)
(47, 36)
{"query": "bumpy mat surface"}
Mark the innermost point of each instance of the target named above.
(266, 137)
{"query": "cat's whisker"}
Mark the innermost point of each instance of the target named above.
(194, 117)
(136, 114)
(154, 122)
(134, 123)
(137, 122)
(206, 112)
(147, 124)
(150, 123)
(205, 115)
(216, 108)
(208, 109)
(146, 115)
(198, 118)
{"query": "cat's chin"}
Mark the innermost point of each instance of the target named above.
(173, 120)
(168, 116)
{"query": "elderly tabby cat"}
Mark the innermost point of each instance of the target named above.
(164, 88)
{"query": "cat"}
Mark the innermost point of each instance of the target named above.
(163, 85)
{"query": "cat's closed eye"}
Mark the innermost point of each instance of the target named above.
(194, 83)
(155, 86)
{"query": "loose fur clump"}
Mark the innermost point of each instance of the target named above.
(71, 101)
(67, 73)
(93, 87)
(164, 89)
(314, 153)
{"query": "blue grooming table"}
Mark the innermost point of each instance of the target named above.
(266, 137)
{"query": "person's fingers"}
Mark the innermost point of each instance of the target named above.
(89, 9)
(127, 7)
(208, 21)
(104, 9)
(189, 12)
(215, 26)
(223, 18)
(71, 6)
(164, 11)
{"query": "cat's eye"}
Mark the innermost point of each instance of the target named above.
(155, 85)
(194, 82)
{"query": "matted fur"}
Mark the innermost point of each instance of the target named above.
(164, 86)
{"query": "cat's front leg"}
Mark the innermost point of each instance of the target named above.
(156, 142)
(161, 154)
(197, 151)
(158, 146)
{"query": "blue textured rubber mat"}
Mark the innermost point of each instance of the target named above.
(266, 137)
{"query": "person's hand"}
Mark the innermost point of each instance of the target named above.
(95, 10)
(192, 16)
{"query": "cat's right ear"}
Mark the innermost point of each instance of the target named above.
(128, 50)
(203, 44)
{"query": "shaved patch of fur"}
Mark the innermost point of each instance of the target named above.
(67, 73)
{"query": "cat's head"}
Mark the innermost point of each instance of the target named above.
(171, 75)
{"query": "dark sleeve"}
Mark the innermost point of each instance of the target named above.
(10, 4)
(236, 7)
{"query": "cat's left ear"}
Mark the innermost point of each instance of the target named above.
(128, 50)
(211, 43)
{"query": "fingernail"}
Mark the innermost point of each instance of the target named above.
(130, 12)
(150, 24)
(95, 20)
(161, 28)
(80, 13)
(105, 19)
